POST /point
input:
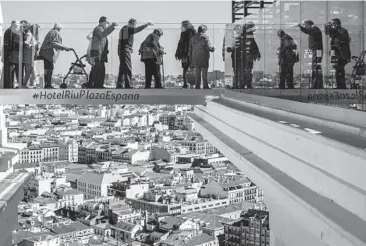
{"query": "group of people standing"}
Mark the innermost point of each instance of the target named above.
(193, 51)
(22, 48)
(244, 43)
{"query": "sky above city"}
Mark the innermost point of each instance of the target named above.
(79, 18)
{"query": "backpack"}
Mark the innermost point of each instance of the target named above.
(293, 53)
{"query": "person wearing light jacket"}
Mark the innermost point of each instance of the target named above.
(199, 55)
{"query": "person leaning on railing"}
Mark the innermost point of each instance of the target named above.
(199, 56)
(152, 55)
(49, 52)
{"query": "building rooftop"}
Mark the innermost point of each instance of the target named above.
(200, 239)
(63, 229)
(125, 226)
(208, 220)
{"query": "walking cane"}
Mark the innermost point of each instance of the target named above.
(162, 65)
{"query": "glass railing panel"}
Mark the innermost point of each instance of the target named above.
(74, 35)
(307, 74)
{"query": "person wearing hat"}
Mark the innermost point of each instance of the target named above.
(125, 48)
(199, 56)
(151, 54)
(286, 59)
(11, 54)
(49, 52)
(316, 48)
(99, 52)
(181, 53)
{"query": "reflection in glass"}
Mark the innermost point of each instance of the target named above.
(322, 57)
(75, 36)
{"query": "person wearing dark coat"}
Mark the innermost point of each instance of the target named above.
(11, 55)
(286, 60)
(49, 52)
(99, 51)
(181, 53)
(151, 54)
(199, 55)
(316, 49)
(243, 65)
(340, 46)
(125, 48)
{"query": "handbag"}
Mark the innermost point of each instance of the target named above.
(39, 68)
(190, 76)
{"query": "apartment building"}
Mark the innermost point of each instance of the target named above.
(43, 240)
(251, 230)
(41, 153)
(69, 150)
(95, 184)
(239, 190)
(73, 232)
(199, 147)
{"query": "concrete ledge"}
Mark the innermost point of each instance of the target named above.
(107, 96)
(322, 221)
(289, 151)
(338, 126)
(324, 96)
(340, 115)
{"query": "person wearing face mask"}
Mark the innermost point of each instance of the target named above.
(151, 54)
(340, 50)
(99, 51)
(181, 53)
(11, 54)
(49, 52)
(125, 44)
